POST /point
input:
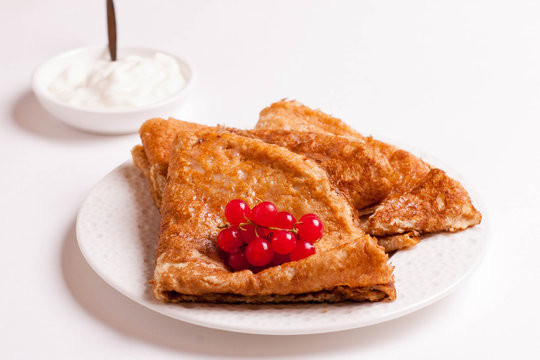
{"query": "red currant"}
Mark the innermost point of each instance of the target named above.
(310, 228)
(302, 250)
(280, 259)
(259, 252)
(285, 220)
(248, 233)
(264, 214)
(237, 260)
(237, 211)
(228, 240)
(283, 242)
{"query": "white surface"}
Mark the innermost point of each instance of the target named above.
(458, 79)
(123, 120)
(117, 229)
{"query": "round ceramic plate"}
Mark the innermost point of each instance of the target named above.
(117, 231)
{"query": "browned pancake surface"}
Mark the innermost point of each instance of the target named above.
(437, 203)
(353, 167)
(366, 170)
(359, 172)
(415, 202)
(293, 115)
(398, 242)
(157, 136)
(209, 168)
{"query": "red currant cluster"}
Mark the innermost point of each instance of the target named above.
(261, 237)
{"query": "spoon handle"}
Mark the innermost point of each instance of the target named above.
(111, 29)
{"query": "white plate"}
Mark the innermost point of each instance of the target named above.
(117, 231)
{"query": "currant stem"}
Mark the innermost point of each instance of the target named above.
(293, 230)
(249, 222)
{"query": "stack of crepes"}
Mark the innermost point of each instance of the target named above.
(372, 197)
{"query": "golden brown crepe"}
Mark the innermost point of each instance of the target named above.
(210, 167)
(438, 203)
(377, 178)
(422, 199)
(361, 174)
(354, 168)
(392, 243)
(157, 136)
(294, 116)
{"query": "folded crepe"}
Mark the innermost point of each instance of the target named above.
(362, 175)
(210, 167)
(152, 158)
(354, 168)
(384, 183)
(437, 203)
(294, 116)
(422, 199)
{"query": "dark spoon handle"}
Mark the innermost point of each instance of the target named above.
(111, 29)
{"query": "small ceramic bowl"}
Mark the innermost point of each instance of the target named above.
(105, 121)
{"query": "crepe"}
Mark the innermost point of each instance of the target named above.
(152, 158)
(354, 168)
(376, 177)
(393, 243)
(294, 116)
(210, 167)
(361, 174)
(422, 199)
(437, 203)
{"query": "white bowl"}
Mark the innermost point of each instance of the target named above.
(105, 121)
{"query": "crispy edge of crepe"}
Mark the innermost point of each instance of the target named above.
(293, 115)
(155, 180)
(437, 203)
(349, 265)
(152, 158)
(398, 242)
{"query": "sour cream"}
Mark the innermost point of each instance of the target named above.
(130, 81)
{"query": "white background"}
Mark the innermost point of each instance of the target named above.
(457, 79)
